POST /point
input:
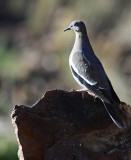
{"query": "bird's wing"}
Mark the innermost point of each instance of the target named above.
(90, 69)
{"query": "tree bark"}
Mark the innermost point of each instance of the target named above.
(67, 126)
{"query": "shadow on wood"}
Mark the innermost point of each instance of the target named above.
(64, 126)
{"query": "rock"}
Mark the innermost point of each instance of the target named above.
(64, 126)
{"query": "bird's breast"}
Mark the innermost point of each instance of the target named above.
(75, 58)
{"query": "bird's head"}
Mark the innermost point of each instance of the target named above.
(77, 26)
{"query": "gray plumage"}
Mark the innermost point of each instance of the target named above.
(89, 72)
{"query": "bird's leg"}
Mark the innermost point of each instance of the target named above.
(82, 92)
(93, 95)
(79, 90)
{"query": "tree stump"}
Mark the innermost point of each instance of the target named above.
(65, 126)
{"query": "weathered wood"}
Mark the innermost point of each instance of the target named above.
(64, 126)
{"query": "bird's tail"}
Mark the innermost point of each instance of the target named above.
(115, 115)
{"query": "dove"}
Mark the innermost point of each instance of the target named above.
(88, 71)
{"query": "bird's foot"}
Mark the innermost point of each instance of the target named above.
(93, 95)
(82, 92)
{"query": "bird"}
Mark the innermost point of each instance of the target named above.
(89, 72)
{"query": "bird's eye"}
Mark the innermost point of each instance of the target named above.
(76, 24)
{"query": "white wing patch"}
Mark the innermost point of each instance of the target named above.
(76, 70)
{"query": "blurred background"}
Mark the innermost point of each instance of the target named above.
(34, 51)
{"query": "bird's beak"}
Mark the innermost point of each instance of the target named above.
(68, 28)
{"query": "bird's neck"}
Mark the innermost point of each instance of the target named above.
(82, 43)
